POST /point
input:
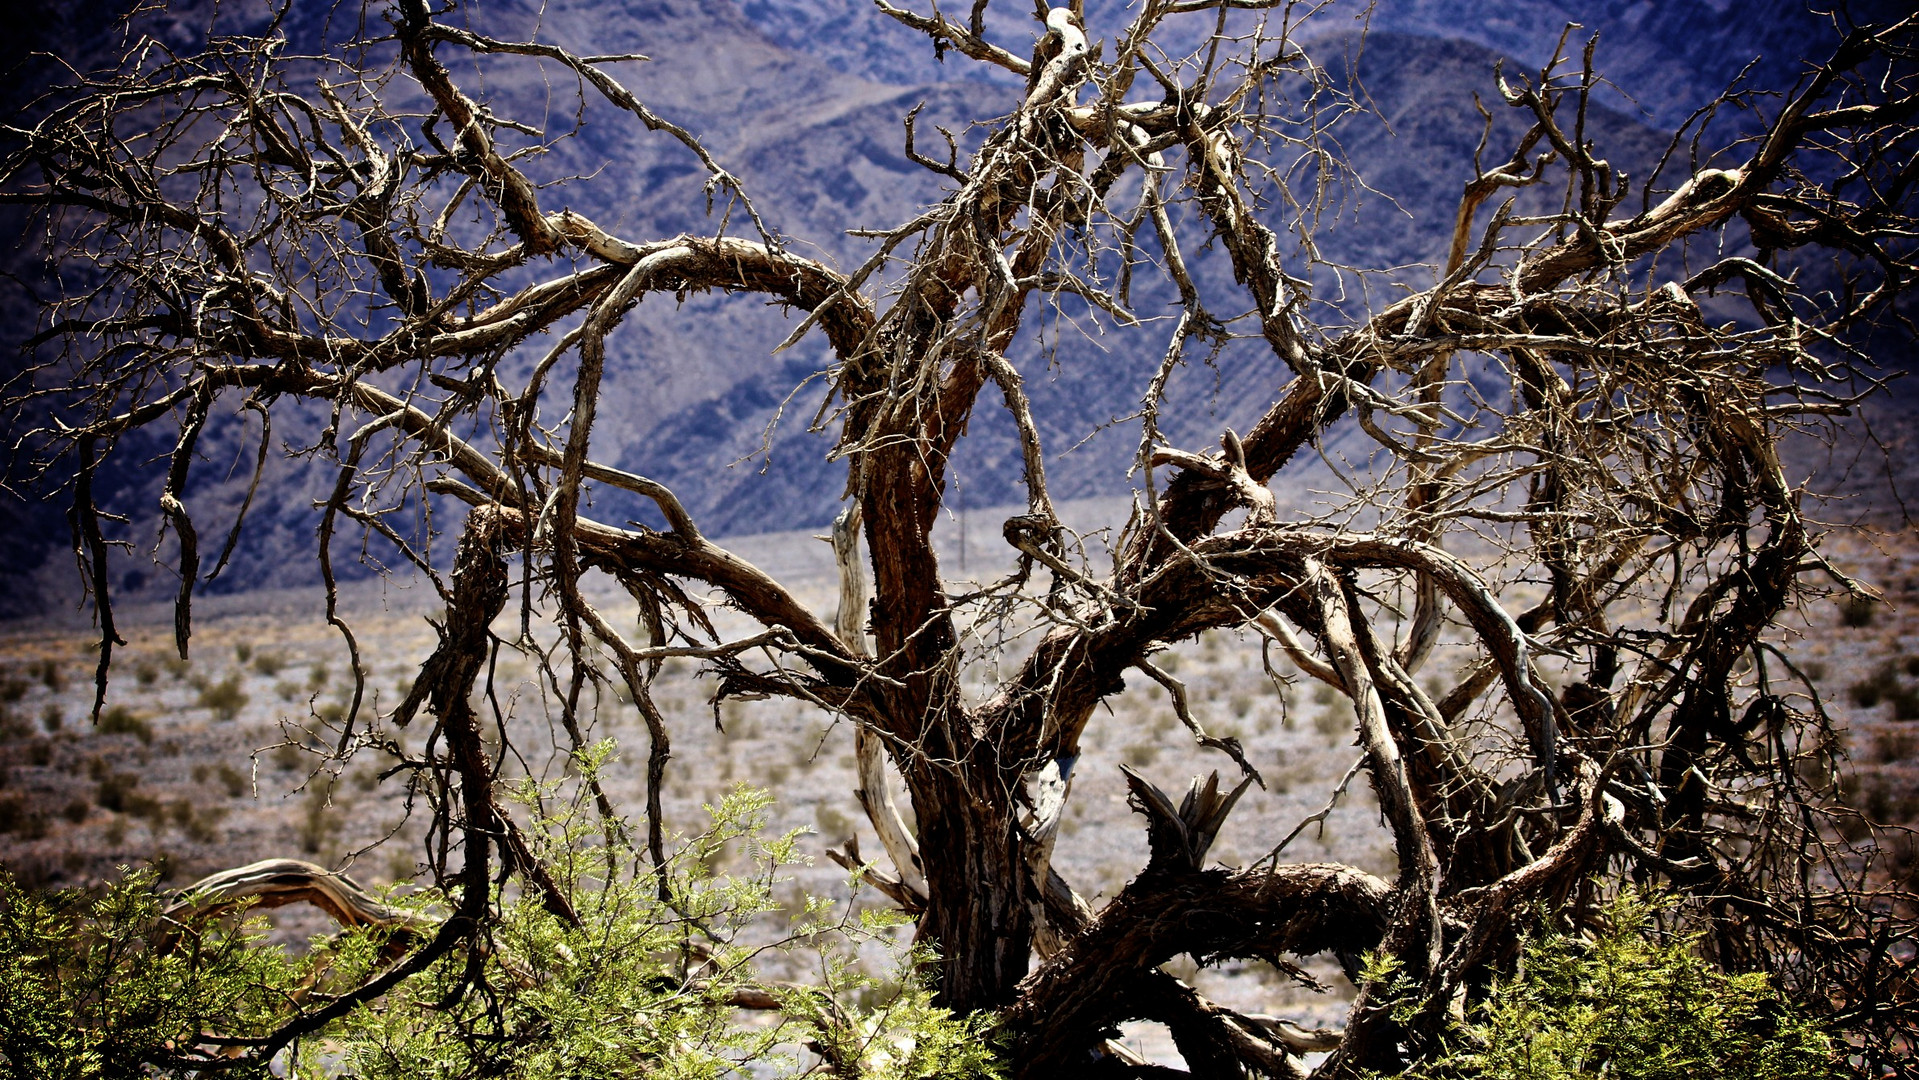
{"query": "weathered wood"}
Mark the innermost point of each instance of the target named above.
(1633, 472)
(272, 883)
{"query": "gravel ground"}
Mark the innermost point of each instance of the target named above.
(205, 770)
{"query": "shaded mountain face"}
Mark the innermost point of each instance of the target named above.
(818, 149)
(803, 100)
(1670, 57)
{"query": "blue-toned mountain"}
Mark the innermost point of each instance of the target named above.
(803, 99)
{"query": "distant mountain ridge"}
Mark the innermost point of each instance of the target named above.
(1671, 56)
(803, 100)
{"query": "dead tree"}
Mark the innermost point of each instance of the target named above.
(276, 233)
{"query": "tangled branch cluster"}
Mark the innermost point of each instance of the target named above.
(1552, 602)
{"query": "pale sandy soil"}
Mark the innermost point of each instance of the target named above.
(215, 792)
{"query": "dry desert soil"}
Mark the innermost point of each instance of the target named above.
(213, 762)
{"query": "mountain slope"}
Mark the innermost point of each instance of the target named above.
(803, 100)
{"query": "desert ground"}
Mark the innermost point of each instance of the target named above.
(203, 764)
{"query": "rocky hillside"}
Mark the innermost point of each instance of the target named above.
(803, 99)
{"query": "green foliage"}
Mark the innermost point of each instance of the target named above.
(224, 699)
(640, 988)
(94, 987)
(120, 792)
(120, 720)
(1626, 1005)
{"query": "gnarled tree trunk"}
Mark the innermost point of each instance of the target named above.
(1552, 394)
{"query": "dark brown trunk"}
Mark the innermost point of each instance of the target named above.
(979, 911)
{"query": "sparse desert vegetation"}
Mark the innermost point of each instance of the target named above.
(83, 799)
(1466, 569)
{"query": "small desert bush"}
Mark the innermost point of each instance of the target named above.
(198, 823)
(12, 726)
(1631, 1003)
(319, 824)
(108, 987)
(120, 720)
(94, 990)
(13, 811)
(1332, 722)
(288, 756)
(120, 792)
(50, 673)
(1857, 612)
(233, 780)
(1882, 686)
(1894, 745)
(224, 699)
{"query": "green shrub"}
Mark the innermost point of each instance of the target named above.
(92, 990)
(13, 811)
(619, 963)
(224, 699)
(319, 822)
(51, 673)
(1331, 723)
(1629, 1004)
(89, 989)
(1857, 611)
(120, 720)
(117, 791)
(199, 823)
(13, 727)
(233, 780)
(288, 756)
